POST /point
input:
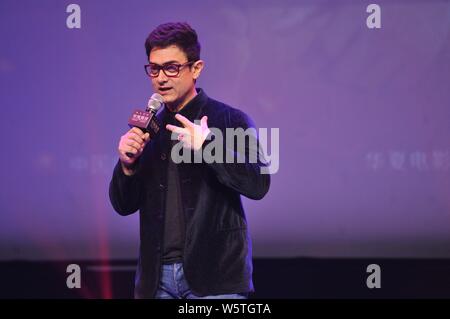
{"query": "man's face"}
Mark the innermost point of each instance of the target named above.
(176, 91)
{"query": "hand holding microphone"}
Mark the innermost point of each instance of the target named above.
(144, 126)
(132, 143)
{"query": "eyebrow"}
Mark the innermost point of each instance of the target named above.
(168, 62)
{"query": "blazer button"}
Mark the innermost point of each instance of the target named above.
(163, 156)
(161, 187)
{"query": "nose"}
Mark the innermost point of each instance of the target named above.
(162, 77)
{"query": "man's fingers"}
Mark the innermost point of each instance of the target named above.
(131, 149)
(204, 122)
(138, 131)
(134, 144)
(184, 121)
(175, 129)
(136, 137)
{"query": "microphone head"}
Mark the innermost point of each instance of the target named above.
(155, 102)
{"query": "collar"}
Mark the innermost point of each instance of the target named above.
(191, 110)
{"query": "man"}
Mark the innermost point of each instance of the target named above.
(194, 237)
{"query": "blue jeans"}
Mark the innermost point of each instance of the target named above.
(173, 285)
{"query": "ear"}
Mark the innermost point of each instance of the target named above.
(197, 68)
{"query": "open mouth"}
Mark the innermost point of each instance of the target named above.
(164, 89)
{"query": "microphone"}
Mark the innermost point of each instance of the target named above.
(146, 120)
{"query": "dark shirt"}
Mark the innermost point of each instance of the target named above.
(174, 227)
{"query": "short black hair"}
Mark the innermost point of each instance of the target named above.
(180, 34)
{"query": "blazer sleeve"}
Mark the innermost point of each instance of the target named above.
(125, 191)
(244, 177)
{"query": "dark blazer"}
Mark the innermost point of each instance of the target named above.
(217, 254)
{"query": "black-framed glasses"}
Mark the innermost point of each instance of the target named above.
(171, 69)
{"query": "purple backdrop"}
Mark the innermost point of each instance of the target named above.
(363, 115)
